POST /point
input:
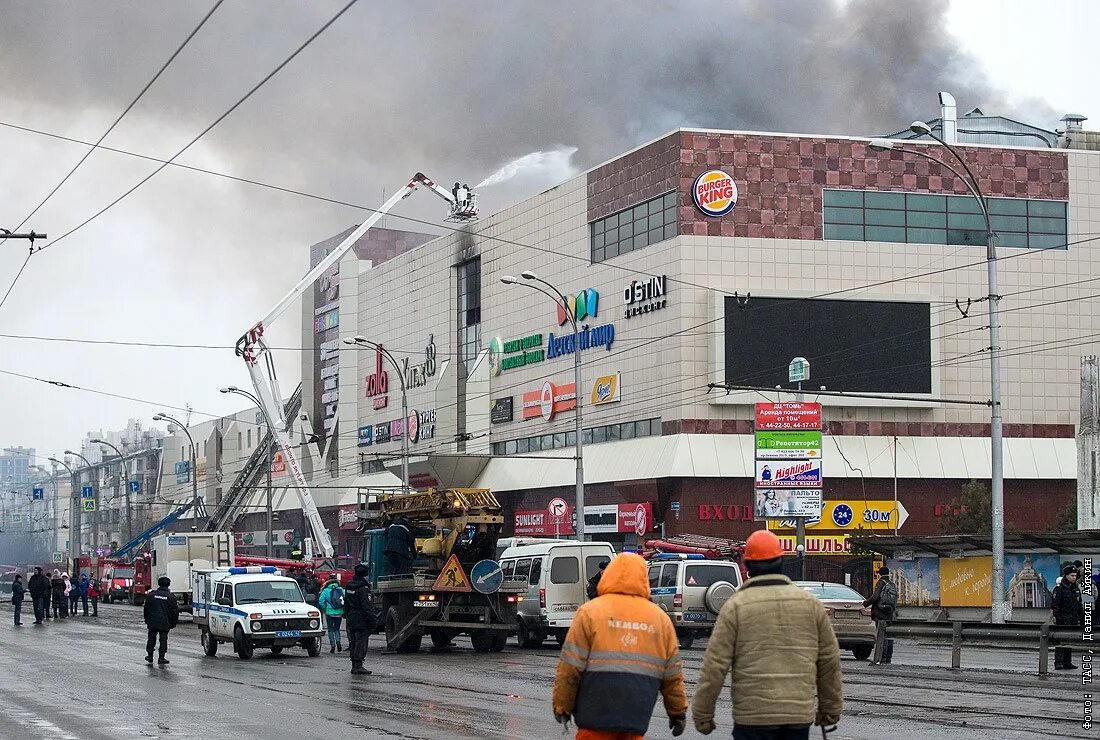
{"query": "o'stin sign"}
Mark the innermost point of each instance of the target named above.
(714, 193)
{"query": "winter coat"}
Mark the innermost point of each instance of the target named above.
(17, 592)
(1066, 604)
(593, 588)
(878, 610)
(162, 611)
(68, 585)
(57, 585)
(620, 652)
(399, 538)
(359, 606)
(325, 599)
(82, 585)
(39, 585)
(783, 652)
(93, 590)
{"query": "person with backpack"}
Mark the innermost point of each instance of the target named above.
(331, 602)
(93, 594)
(884, 607)
(359, 610)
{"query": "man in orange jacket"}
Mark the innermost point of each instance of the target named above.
(620, 651)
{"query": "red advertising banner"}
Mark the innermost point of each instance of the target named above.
(793, 415)
(549, 400)
(635, 518)
(347, 517)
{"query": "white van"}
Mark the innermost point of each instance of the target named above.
(557, 573)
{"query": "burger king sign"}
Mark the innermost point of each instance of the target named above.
(714, 193)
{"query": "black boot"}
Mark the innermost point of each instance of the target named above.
(357, 669)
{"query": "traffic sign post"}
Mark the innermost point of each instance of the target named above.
(87, 492)
(38, 493)
(487, 576)
(452, 577)
(135, 486)
(89, 504)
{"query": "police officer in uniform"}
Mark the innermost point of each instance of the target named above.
(162, 613)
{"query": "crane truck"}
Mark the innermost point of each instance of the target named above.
(252, 348)
(455, 585)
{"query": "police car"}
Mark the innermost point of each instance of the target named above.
(253, 607)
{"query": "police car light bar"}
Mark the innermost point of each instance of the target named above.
(678, 556)
(240, 570)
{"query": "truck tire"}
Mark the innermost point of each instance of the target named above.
(863, 652)
(500, 639)
(526, 638)
(483, 641)
(313, 647)
(209, 644)
(394, 622)
(276, 649)
(442, 637)
(242, 645)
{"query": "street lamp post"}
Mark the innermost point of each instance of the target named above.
(95, 496)
(556, 295)
(46, 508)
(364, 342)
(194, 470)
(270, 447)
(126, 479)
(996, 430)
(74, 508)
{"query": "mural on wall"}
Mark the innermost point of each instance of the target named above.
(918, 581)
(966, 581)
(1030, 578)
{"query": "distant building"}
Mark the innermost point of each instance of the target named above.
(15, 465)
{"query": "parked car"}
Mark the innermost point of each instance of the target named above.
(557, 573)
(692, 590)
(851, 620)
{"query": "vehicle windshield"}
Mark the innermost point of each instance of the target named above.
(705, 576)
(831, 591)
(259, 592)
(122, 573)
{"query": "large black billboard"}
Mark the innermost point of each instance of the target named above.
(852, 345)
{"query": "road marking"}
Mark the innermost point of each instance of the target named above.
(31, 720)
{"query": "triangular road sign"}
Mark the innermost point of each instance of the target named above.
(452, 577)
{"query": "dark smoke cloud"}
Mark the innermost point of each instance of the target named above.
(453, 89)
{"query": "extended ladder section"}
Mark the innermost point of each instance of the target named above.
(248, 479)
(148, 534)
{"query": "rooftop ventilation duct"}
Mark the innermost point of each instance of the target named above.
(949, 123)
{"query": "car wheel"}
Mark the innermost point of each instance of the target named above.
(526, 638)
(686, 638)
(500, 639)
(276, 649)
(717, 595)
(209, 644)
(242, 645)
(394, 623)
(313, 647)
(863, 652)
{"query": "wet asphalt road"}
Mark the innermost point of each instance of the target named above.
(86, 679)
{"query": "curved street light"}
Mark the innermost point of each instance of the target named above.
(194, 471)
(126, 477)
(361, 341)
(270, 514)
(996, 425)
(549, 290)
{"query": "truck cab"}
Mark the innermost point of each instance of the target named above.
(253, 607)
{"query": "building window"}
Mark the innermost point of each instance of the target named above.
(925, 218)
(606, 433)
(644, 224)
(239, 440)
(370, 465)
(250, 438)
(469, 310)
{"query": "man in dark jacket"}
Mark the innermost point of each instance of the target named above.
(312, 588)
(17, 592)
(594, 581)
(884, 606)
(398, 546)
(57, 596)
(359, 615)
(39, 586)
(1067, 609)
(162, 613)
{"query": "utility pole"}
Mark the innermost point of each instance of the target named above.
(270, 531)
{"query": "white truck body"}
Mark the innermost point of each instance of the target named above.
(178, 555)
(251, 607)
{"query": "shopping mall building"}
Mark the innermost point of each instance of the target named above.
(707, 258)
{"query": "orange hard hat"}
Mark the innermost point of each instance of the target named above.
(763, 545)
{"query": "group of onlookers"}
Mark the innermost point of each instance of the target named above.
(58, 593)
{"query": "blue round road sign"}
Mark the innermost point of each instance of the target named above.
(842, 515)
(486, 576)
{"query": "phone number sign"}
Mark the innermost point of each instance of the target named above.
(788, 416)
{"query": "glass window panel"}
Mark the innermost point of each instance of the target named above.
(626, 431)
(670, 200)
(598, 240)
(498, 448)
(884, 200)
(843, 198)
(963, 204)
(612, 432)
(548, 441)
(843, 215)
(641, 428)
(886, 233)
(626, 229)
(599, 255)
(587, 436)
(1007, 206)
(658, 235)
(510, 447)
(640, 212)
(1046, 208)
(670, 216)
(843, 231)
(656, 206)
(927, 219)
(966, 221)
(612, 250)
(670, 231)
(1047, 225)
(1047, 241)
(599, 434)
(570, 439)
(611, 236)
(925, 202)
(884, 218)
(559, 440)
(598, 226)
(965, 237)
(927, 236)
(1011, 239)
(641, 240)
(626, 244)
(523, 446)
(655, 221)
(1008, 223)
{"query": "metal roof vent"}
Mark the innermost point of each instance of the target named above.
(949, 118)
(1073, 121)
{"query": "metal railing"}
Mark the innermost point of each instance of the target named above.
(1009, 635)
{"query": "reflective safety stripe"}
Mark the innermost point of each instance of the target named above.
(636, 669)
(573, 661)
(581, 652)
(635, 657)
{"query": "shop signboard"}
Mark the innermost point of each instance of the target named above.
(818, 544)
(183, 471)
(714, 193)
(644, 295)
(788, 445)
(788, 416)
(347, 517)
(365, 437)
(500, 410)
(606, 389)
(278, 464)
(550, 399)
(788, 502)
(852, 515)
(633, 518)
(788, 473)
(377, 383)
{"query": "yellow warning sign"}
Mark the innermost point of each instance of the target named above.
(89, 504)
(452, 577)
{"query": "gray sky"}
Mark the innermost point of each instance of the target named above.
(388, 90)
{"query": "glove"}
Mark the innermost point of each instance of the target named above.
(563, 718)
(826, 720)
(677, 724)
(704, 726)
